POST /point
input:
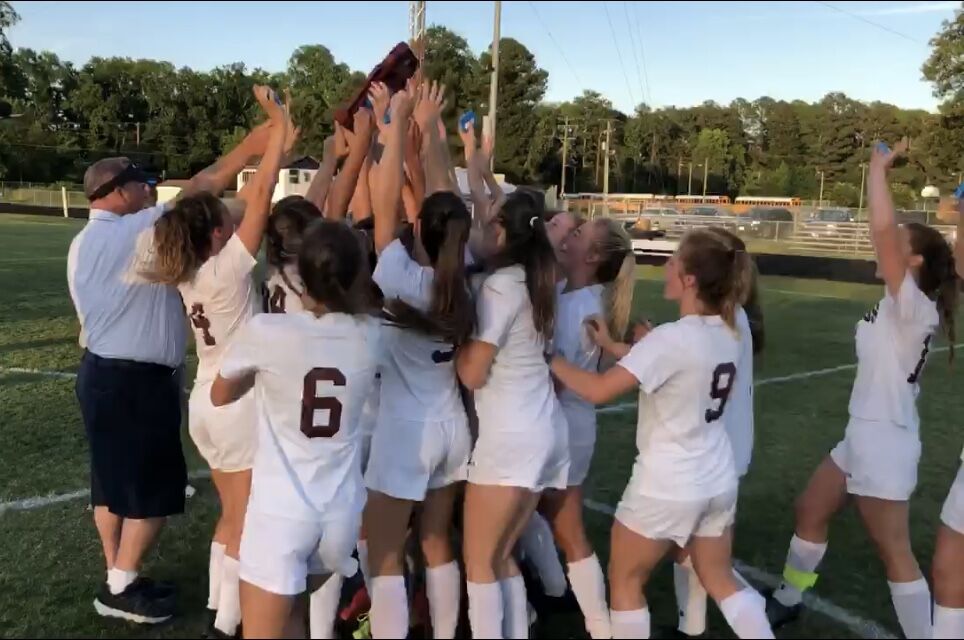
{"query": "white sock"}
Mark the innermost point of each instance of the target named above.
(690, 598)
(229, 601)
(389, 613)
(948, 623)
(214, 574)
(485, 609)
(745, 612)
(515, 608)
(912, 602)
(443, 586)
(362, 548)
(539, 548)
(630, 624)
(323, 608)
(589, 587)
(118, 580)
(802, 558)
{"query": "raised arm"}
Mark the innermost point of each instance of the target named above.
(317, 192)
(259, 190)
(427, 114)
(484, 161)
(480, 201)
(390, 170)
(344, 187)
(884, 232)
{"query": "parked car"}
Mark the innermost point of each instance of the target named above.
(765, 222)
(825, 222)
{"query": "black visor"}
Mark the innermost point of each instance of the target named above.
(131, 173)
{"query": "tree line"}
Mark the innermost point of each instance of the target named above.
(177, 120)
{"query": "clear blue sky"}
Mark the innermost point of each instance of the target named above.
(693, 51)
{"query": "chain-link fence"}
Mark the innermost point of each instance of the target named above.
(41, 195)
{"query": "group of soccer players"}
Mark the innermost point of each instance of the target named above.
(423, 375)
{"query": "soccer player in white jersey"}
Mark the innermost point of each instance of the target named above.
(598, 264)
(282, 288)
(310, 373)
(683, 488)
(949, 550)
(504, 364)
(197, 249)
(876, 462)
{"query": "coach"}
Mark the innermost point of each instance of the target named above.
(133, 334)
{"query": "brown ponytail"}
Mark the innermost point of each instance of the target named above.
(750, 291)
(937, 276)
(182, 238)
(721, 271)
(445, 224)
(617, 271)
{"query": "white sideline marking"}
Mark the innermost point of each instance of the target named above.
(40, 372)
(856, 624)
(36, 502)
(813, 294)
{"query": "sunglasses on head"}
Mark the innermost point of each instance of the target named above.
(131, 173)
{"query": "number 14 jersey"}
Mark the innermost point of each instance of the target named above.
(312, 377)
(686, 372)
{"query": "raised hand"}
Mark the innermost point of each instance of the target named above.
(361, 137)
(467, 136)
(883, 159)
(430, 104)
(380, 97)
(270, 104)
(402, 106)
(293, 133)
(329, 154)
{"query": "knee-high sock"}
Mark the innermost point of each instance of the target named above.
(443, 585)
(485, 609)
(214, 574)
(745, 612)
(323, 608)
(912, 602)
(948, 623)
(803, 558)
(589, 587)
(389, 614)
(515, 608)
(539, 548)
(690, 598)
(630, 624)
(229, 600)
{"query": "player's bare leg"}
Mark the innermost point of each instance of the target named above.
(109, 529)
(386, 522)
(264, 614)
(632, 559)
(888, 524)
(948, 583)
(443, 580)
(233, 489)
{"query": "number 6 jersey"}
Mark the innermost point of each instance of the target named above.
(893, 340)
(686, 371)
(312, 376)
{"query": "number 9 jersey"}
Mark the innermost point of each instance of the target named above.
(312, 376)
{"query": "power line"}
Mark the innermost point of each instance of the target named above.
(618, 53)
(562, 51)
(857, 16)
(642, 56)
(632, 41)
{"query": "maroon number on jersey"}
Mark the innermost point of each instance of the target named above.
(311, 403)
(915, 376)
(723, 377)
(202, 324)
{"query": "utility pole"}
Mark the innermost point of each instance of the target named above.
(494, 86)
(609, 134)
(138, 133)
(679, 172)
(863, 178)
(565, 155)
(820, 202)
(689, 182)
(706, 172)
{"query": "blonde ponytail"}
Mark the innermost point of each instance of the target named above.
(182, 239)
(616, 271)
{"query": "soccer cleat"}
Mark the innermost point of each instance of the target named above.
(674, 632)
(778, 613)
(138, 603)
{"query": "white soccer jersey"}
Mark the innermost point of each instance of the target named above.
(739, 408)
(418, 374)
(281, 292)
(312, 378)
(573, 343)
(893, 340)
(219, 300)
(518, 395)
(687, 372)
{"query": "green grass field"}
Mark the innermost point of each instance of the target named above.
(50, 562)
